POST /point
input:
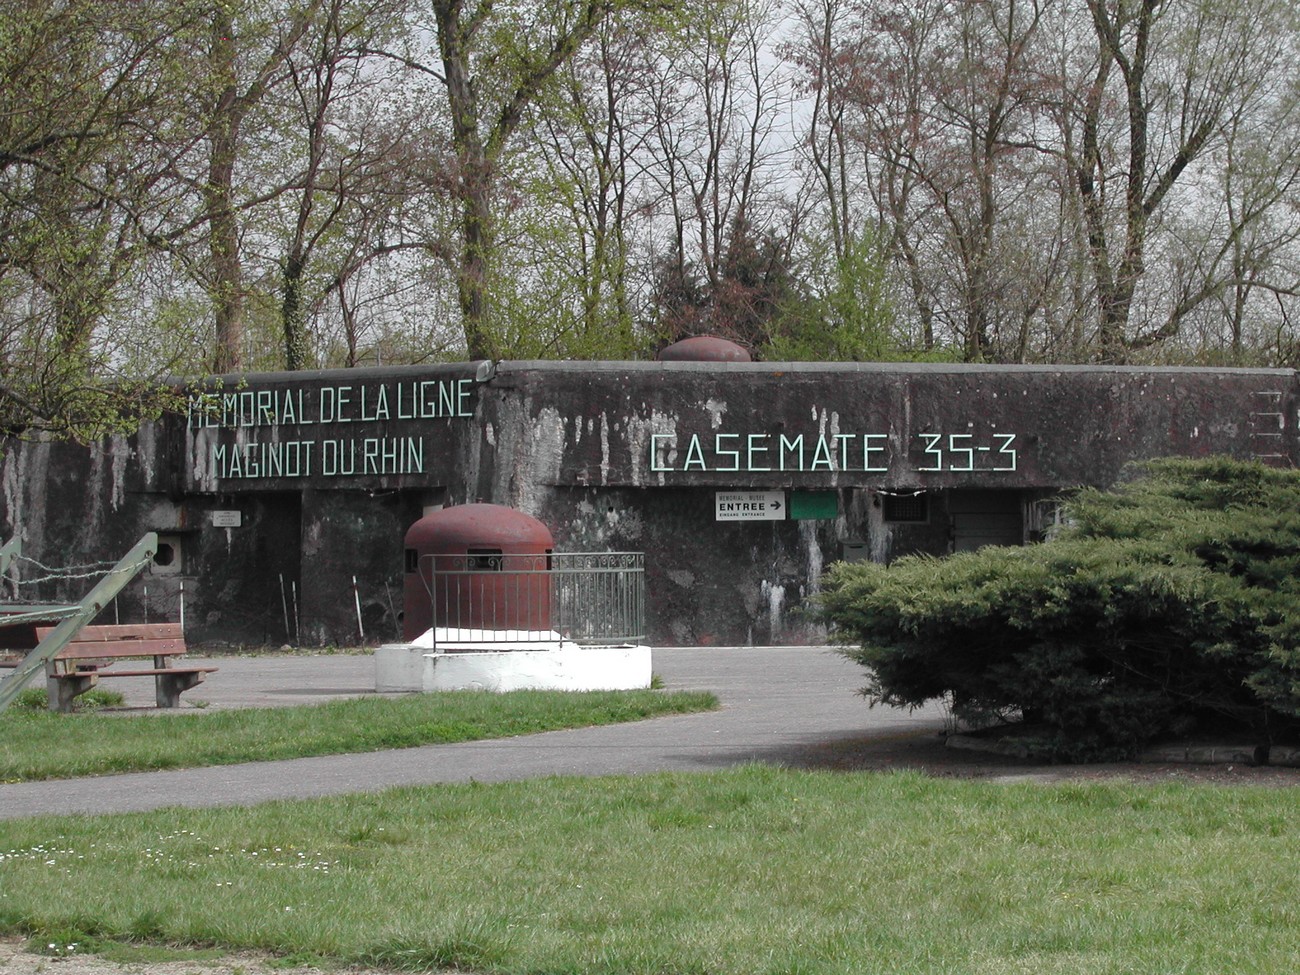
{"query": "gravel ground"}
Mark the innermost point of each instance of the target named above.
(15, 960)
(928, 753)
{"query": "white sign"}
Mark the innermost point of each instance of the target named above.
(227, 519)
(750, 506)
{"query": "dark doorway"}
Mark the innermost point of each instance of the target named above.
(982, 518)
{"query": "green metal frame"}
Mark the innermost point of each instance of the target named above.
(77, 615)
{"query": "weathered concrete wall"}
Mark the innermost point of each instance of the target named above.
(538, 425)
(277, 490)
(894, 426)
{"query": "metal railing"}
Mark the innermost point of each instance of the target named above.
(487, 600)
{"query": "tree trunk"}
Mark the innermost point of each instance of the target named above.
(291, 314)
(223, 240)
(472, 276)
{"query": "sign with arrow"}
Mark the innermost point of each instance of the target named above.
(749, 506)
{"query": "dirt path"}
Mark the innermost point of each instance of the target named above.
(927, 753)
(16, 960)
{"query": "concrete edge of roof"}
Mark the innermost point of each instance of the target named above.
(468, 369)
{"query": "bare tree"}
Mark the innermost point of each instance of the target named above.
(1058, 179)
(248, 53)
(340, 162)
(722, 164)
(821, 52)
(1181, 73)
(86, 89)
(495, 63)
(593, 193)
(944, 97)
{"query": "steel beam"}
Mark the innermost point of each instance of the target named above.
(90, 606)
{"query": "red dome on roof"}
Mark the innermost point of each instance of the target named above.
(704, 348)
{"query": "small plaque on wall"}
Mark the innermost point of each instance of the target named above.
(227, 519)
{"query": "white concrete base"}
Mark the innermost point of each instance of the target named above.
(564, 667)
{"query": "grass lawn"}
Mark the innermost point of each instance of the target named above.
(756, 871)
(99, 743)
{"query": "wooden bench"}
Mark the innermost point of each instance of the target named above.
(92, 652)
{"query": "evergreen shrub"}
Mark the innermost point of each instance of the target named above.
(1166, 605)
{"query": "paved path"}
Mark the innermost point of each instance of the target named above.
(778, 704)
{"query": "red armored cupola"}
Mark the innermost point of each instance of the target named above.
(477, 566)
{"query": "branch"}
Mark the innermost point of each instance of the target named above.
(565, 46)
(23, 154)
(7, 392)
(404, 61)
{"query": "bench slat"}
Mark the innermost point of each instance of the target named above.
(123, 631)
(122, 640)
(132, 648)
(152, 672)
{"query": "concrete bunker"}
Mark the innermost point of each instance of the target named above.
(738, 481)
